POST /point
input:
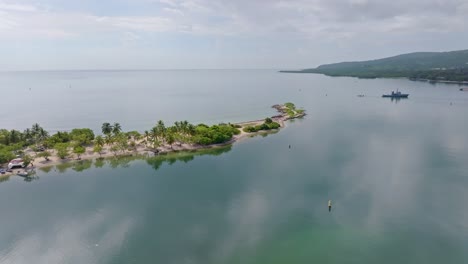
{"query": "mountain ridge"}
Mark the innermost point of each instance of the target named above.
(434, 66)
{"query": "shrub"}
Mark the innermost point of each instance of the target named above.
(62, 150)
(27, 160)
(78, 150)
(45, 154)
(6, 156)
(82, 136)
(249, 129)
(263, 126)
(59, 137)
(274, 125)
(290, 105)
(215, 134)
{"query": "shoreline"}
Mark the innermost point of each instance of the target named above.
(460, 83)
(142, 150)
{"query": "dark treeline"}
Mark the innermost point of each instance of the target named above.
(454, 75)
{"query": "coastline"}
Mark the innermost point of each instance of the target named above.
(142, 150)
(380, 77)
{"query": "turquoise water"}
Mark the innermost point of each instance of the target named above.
(395, 170)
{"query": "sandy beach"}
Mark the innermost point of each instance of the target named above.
(141, 149)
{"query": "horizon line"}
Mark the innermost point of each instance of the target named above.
(136, 69)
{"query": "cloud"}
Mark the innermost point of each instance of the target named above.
(340, 29)
(311, 18)
(17, 7)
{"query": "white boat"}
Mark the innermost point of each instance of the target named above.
(26, 172)
(23, 173)
(16, 163)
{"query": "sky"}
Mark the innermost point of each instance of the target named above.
(221, 34)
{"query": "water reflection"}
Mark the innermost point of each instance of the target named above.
(170, 158)
(124, 161)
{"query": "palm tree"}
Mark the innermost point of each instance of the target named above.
(155, 144)
(184, 126)
(170, 139)
(177, 126)
(146, 138)
(27, 135)
(106, 128)
(42, 134)
(154, 133)
(161, 128)
(99, 140)
(35, 128)
(122, 143)
(116, 129)
(109, 139)
(191, 129)
(15, 136)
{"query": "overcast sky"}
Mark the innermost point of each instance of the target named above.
(187, 34)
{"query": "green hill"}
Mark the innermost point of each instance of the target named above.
(437, 66)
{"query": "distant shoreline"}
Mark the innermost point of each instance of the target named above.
(379, 77)
(141, 149)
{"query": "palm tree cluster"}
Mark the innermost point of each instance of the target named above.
(181, 132)
(33, 135)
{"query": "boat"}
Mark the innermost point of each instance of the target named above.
(26, 172)
(16, 163)
(464, 89)
(22, 173)
(396, 94)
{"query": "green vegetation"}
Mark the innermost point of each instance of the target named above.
(62, 150)
(45, 154)
(78, 150)
(37, 142)
(27, 160)
(291, 110)
(290, 105)
(434, 66)
(455, 75)
(98, 149)
(267, 125)
(216, 134)
(82, 136)
(12, 142)
(6, 156)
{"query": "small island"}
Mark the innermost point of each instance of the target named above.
(36, 148)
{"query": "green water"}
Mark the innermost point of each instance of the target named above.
(395, 170)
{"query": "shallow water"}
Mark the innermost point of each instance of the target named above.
(395, 170)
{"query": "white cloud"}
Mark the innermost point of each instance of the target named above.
(314, 18)
(340, 29)
(17, 7)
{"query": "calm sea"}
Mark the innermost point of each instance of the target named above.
(396, 171)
